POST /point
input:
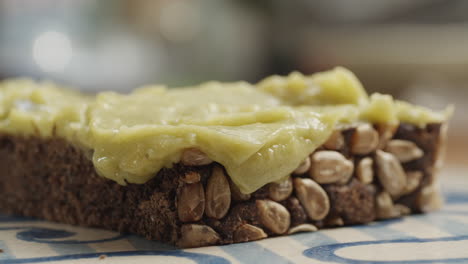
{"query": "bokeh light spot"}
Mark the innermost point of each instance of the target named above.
(52, 51)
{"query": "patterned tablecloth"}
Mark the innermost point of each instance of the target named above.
(440, 237)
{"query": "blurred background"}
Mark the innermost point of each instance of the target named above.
(416, 50)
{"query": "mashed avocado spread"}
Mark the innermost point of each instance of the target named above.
(260, 133)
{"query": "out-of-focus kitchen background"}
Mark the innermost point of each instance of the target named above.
(416, 50)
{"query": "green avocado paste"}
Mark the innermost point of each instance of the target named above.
(260, 133)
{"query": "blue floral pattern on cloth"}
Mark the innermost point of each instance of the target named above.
(440, 237)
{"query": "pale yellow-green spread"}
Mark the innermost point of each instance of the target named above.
(259, 133)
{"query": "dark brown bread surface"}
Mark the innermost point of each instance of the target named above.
(53, 180)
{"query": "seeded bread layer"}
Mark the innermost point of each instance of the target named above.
(361, 174)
